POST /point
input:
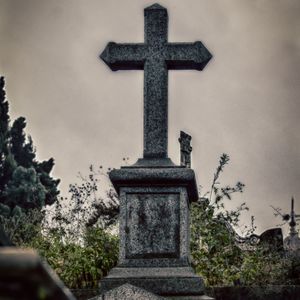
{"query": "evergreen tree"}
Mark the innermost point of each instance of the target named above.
(24, 154)
(4, 131)
(9, 166)
(25, 189)
(22, 150)
(24, 182)
(43, 169)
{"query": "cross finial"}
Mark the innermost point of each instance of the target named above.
(156, 56)
(293, 219)
(155, 6)
(185, 149)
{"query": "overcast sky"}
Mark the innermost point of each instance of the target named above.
(245, 103)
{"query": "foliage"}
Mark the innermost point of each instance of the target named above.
(104, 209)
(21, 149)
(261, 267)
(25, 189)
(87, 206)
(215, 254)
(75, 238)
(24, 181)
(79, 265)
(20, 226)
(77, 241)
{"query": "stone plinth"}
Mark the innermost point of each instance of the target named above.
(154, 230)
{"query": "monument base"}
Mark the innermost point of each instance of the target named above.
(154, 231)
(167, 282)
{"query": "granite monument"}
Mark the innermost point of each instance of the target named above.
(155, 194)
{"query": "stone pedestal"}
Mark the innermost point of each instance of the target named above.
(154, 230)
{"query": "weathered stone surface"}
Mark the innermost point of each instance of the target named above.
(272, 239)
(155, 215)
(154, 226)
(23, 275)
(130, 292)
(176, 176)
(156, 56)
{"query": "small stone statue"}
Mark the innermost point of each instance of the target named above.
(185, 149)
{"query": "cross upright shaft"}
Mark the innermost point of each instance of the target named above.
(156, 56)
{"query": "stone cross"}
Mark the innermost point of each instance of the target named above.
(156, 56)
(155, 194)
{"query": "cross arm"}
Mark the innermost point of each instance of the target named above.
(124, 56)
(187, 56)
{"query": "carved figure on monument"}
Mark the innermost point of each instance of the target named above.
(185, 149)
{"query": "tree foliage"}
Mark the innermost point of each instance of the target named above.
(24, 181)
(21, 149)
(4, 132)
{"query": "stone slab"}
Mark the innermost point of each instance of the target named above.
(165, 282)
(23, 275)
(118, 272)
